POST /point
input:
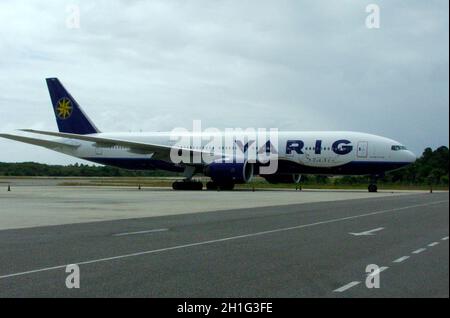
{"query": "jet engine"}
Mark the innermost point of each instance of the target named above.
(230, 172)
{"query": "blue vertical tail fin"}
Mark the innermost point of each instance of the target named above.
(69, 115)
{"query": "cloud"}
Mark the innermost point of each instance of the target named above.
(295, 65)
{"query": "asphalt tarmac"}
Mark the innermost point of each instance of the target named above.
(46, 204)
(310, 249)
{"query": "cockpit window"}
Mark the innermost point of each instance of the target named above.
(398, 147)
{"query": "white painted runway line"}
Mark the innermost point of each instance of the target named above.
(345, 287)
(401, 259)
(420, 250)
(383, 268)
(141, 232)
(225, 239)
(367, 233)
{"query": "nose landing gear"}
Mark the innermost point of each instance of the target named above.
(373, 184)
(373, 188)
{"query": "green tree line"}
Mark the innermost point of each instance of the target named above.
(431, 168)
(33, 169)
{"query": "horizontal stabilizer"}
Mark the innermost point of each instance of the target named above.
(104, 141)
(159, 151)
(38, 142)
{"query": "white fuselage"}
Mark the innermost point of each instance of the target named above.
(313, 152)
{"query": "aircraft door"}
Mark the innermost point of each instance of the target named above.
(362, 150)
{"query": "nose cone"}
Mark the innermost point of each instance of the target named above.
(410, 157)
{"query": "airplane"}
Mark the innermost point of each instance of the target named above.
(297, 152)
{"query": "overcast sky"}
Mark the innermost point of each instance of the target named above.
(293, 65)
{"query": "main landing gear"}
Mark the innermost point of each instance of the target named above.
(195, 185)
(211, 185)
(187, 185)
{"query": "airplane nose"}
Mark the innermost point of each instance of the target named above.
(411, 156)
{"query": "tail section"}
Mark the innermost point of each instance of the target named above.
(69, 115)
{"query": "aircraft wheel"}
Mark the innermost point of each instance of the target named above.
(373, 188)
(197, 186)
(211, 185)
(226, 186)
(187, 185)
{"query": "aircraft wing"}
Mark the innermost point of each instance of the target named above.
(39, 142)
(159, 151)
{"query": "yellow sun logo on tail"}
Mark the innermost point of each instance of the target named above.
(64, 108)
